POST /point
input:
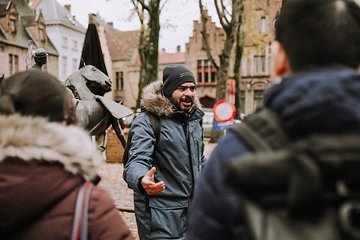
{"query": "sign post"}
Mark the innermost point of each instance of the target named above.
(232, 90)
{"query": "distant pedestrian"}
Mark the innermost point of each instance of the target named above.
(162, 169)
(44, 159)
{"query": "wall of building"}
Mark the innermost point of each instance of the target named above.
(128, 94)
(69, 50)
(10, 65)
(255, 66)
(5, 66)
(52, 66)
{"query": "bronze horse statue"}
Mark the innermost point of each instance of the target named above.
(94, 112)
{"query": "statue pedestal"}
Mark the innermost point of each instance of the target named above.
(114, 149)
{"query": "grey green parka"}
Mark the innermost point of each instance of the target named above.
(178, 158)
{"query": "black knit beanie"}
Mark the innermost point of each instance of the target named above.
(174, 76)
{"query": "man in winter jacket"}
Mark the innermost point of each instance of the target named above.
(315, 58)
(162, 172)
(44, 159)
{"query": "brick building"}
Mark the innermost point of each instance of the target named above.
(19, 24)
(259, 33)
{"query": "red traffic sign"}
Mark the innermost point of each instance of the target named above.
(224, 111)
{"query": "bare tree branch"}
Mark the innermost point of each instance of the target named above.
(204, 36)
(225, 12)
(149, 15)
(138, 11)
(143, 4)
(225, 9)
(162, 6)
(221, 14)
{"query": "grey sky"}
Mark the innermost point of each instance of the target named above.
(176, 18)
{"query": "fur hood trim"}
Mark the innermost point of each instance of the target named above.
(154, 101)
(35, 138)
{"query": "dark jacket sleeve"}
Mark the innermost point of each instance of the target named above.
(105, 221)
(215, 212)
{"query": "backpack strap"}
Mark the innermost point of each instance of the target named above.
(155, 124)
(80, 224)
(262, 131)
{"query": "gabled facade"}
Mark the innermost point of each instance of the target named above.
(18, 25)
(198, 62)
(66, 33)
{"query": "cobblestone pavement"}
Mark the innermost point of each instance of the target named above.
(112, 182)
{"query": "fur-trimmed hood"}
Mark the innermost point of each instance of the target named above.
(35, 138)
(154, 101)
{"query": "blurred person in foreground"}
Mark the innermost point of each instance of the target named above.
(44, 159)
(315, 58)
(162, 169)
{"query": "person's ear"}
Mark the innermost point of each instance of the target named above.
(280, 63)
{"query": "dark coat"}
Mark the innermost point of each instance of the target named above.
(324, 101)
(178, 158)
(42, 165)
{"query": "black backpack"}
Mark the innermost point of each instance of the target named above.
(155, 124)
(296, 189)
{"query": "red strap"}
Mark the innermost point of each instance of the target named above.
(79, 210)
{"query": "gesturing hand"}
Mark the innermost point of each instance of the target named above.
(149, 184)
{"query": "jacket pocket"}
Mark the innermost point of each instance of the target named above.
(168, 218)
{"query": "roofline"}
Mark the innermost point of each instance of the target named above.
(65, 25)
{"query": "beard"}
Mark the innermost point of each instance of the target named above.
(185, 103)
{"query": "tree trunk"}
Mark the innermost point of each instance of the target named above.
(239, 47)
(149, 47)
(231, 27)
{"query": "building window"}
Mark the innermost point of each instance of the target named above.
(262, 24)
(16, 63)
(64, 42)
(205, 72)
(11, 66)
(12, 25)
(259, 61)
(13, 63)
(242, 101)
(119, 78)
(244, 66)
(258, 97)
(64, 67)
(74, 45)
